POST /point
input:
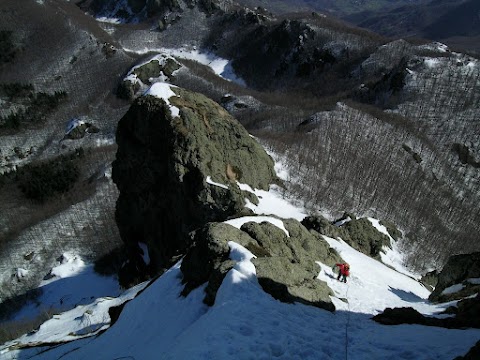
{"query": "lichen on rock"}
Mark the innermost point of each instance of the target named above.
(286, 266)
(161, 169)
(289, 271)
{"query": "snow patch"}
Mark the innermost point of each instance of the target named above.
(82, 321)
(373, 286)
(70, 284)
(393, 256)
(343, 221)
(70, 265)
(21, 273)
(164, 91)
(244, 267)
(72, 124)
(431, 62)
(104, 141)
(109, 20)
(474, 281)
(272, 203)
(210, 181)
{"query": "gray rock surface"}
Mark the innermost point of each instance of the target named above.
(358, 233)
(457, 270)
(430, 279)
(142, 76)
(285, 266)
(162, 167)
(208, 258)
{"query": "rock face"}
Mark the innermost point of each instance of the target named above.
(140, 77)
(285, 265)
(459, 269)
(358, 233)
(397, 316)
(162, 167)
(430, 279)
(462, 271)
(208, 260)
(467, 314)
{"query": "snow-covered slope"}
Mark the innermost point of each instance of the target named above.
(247, 323)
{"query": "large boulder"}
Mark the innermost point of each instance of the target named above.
(358, 233)
(459, 278)
(176, 173)
(208, 258)
(143, 75)
(286, 266)
(467, 314)
(324, 227)
(397, 316)
(290, 282)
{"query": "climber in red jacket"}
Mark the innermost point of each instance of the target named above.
(343, 271)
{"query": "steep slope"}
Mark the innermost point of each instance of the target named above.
(59, 50)
(399, 126)
(245, 322)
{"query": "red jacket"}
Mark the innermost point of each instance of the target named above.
(344, 269)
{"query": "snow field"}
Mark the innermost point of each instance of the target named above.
(71, 283)
(247, 323)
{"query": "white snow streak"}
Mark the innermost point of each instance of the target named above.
(164, 91)
(210, 181)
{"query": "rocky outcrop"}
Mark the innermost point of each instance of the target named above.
(208, 259)
(430, 280)
(141, 76)
(467, 314)
(358, 233)
(285, 265)
(462, 271)
(397, 316)
(176, 173)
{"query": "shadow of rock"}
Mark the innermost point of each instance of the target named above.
(406, 296)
